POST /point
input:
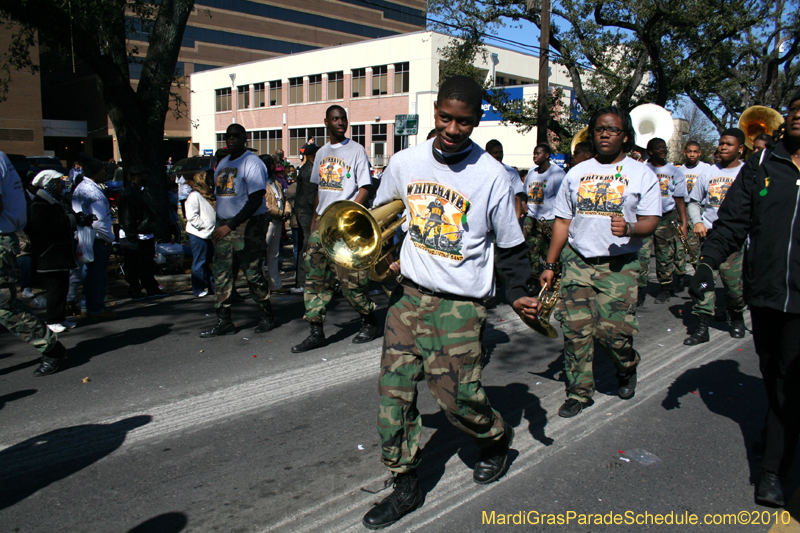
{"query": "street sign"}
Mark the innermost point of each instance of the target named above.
(406, 124)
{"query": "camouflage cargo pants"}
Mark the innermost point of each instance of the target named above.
(438, 340)
(537, 243)
(668, 248)
(14, 314)
(644, 261)
(600, 304)
(248, 245)
(321, 276)
(731, 274)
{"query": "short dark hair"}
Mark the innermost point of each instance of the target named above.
(627, 126)
(334, 107)
(795, 97)
(764, 137)
(464, 89)
(585, 146)
(733, 132)
(652, 142)
(545, 147)
(491, 144)
(237, 126)
(691, 143)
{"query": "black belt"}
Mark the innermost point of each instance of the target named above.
(608, 258)
(443, 295)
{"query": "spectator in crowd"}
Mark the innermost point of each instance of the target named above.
(169, 164)
(172, 212)
(305, 197)
(200, 224)
(184, 188)
(309, 142)
(291, 194)
(74, 172)
(95, 243)
(276, 208)
(137, 221)
(15, 315)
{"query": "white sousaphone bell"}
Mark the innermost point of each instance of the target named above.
(651, 121)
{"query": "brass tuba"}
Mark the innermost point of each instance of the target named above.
(756, 120)
(651, 121)
(358, 238)
(582, 135)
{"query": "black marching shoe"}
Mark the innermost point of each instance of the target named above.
(572, 407)
(315, 339)
(51, 361)
(224, 325)
(680, 283)
(700, 335)
(369, 329)
(769, 492)
(268, 320)
(736, 322)
(627, 384)
(642, 296)
(405, 498)
(663, 295)
(493, 460)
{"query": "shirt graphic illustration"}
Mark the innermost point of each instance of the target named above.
(663, 181)
(717, 189)
(601, 195)
(332, 173)
(435, 218)
(690, 178)
(226, 182)
(536, 193)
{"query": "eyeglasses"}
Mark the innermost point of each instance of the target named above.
(794, 110)
(612, 130)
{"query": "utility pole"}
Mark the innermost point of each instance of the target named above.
(544, 70)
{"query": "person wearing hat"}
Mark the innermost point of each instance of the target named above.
(305, 196)
(137, 221)
(760, 208)
(51, 230)
(14, 314)
(89, 198)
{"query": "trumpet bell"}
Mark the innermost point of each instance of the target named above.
(651, 121)
(756, 120)
(350, 235)
(582, 135)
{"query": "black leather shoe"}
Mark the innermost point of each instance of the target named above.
(700, 335)
(369, 329)
(405, 498)
(680, 283)
(769, 492)
(51, 361)
(493, 461)
(572, 407)
(663, 295)
(315, 339)
(224, 325)
(627, 385)
(642, 296)
(736, 322)
(268, 320)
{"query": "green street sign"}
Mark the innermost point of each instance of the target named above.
(406, 124)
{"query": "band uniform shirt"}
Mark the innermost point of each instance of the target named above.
(592, 192)
(710, 189)
(673, 184)
(236, 180)
(340, 170)
(516, 183)
(690, 174)
(452, 213)
(15, 209)
(542, 189)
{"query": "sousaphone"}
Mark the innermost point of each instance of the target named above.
(756, 120)
(651, 121)
(582, 135)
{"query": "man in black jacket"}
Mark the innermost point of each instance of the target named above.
(138, 221)
(304, 210)
(763, 203)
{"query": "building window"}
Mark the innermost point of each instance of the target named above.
(380, 80)
(295, 90)
(275, 91)
(223, 99)
(378, 133)
(267, 141)
(400, 78)
(299, 136)
(244, 96)
(335, 85)
(378, 143)
(315, 88)
(512, 81)
(359, 134)
(259, 96)
(221, 141)
(359, 82)
(499, 81)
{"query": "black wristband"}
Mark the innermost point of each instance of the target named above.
(555, 267)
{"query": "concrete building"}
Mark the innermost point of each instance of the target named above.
(21, 128)
(282, 101)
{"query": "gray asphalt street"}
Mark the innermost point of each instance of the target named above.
(150, 428)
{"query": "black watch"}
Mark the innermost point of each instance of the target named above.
(555, 267)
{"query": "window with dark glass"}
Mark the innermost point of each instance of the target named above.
(335, 85)
(315, 88)
(380, 80)
(295, 90)
(243, 92)
(259, 95)
(359, 134)
(359, 82)
(401, 78)
(223, 99)
(275, 91)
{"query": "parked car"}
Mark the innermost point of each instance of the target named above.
(191, 165)
(21, 164)
(43, 162)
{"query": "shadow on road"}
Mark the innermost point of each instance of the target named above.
(32, 465)
(85, 350)
(163, 523)
(11, 396)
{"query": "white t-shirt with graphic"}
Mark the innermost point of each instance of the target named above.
(672, 183)
(542, 189)
(453, 213)
(710, 189)
(592, 193)
(516, 183)
(237, 179)
(691, 174)
(340, 170)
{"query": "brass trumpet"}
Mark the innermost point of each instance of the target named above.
(685, 242)
(356, 238)
(542, 323)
